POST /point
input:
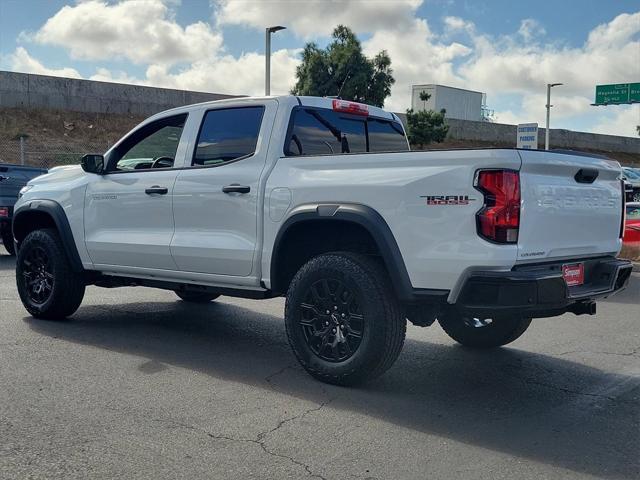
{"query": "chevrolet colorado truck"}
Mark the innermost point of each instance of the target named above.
(322, 201)
(12, 179)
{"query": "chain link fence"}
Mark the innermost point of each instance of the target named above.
(24, 151)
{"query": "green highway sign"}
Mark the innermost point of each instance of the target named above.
(617, 94)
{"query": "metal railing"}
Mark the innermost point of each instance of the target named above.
(22, 151)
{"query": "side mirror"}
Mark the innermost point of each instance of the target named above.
(93, 163)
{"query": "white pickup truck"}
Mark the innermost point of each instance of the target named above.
(322, 200)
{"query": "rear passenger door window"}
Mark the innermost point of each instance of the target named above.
(325, 132)
(227, 135)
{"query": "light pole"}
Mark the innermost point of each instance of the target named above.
(546, 130)
(267, 57)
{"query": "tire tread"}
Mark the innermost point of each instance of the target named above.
(69, 286)
(366, 270)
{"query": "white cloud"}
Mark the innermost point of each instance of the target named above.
(513, 67)
(21, 61)
(623, 121)
(531, 29)
(504, 65)
(416, 57)
(457, 24)
(228, 74)
(142, 31)
(318, 17)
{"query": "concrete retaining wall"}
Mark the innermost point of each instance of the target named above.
(558, 138)
(39, 91)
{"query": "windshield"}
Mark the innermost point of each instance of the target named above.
(631, 174)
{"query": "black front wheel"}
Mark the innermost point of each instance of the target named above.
(47, 285)
(483, 332)
(7, 240)
(343, 321)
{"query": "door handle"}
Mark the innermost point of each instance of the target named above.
(157, 190)
(236, 188)
(3, 178)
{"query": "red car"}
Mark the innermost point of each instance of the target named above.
(631, 236)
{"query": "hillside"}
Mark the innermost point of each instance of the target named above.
(62, 137)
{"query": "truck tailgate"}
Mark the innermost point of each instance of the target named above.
(565, 212)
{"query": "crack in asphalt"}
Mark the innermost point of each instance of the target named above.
(567, 390)
(632, 353)
(262, 438)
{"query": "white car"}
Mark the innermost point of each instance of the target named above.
(322, 200)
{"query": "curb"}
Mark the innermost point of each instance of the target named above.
(636, 267)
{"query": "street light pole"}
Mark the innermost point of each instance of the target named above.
(267, 57)
(546, 130)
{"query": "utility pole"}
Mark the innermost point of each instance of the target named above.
(267, 57)
(546, 130)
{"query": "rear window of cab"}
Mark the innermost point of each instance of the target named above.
(320, 131)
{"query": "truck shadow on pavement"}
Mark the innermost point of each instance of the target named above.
(7, 262)
(524, 404)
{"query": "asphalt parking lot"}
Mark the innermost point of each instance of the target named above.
(140, 385)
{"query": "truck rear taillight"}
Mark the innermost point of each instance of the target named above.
(350, 107)
(4, 212)
(499, 219)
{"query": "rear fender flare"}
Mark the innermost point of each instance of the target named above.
(366, 217)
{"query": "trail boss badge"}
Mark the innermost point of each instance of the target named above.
(448, 199)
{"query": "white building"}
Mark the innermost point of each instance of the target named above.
(459, 103)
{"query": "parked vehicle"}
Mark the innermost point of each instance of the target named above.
(632, 225)
(628, 191)
(321, 200)
(12, 179)
(630, 176)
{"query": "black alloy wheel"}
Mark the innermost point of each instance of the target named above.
(332, 321)
(343, 320)
(38, 275)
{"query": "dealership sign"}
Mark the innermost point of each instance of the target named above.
(527, 136)
(617, 94)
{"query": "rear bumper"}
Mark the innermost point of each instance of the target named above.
(540, 290)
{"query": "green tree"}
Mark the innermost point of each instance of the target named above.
(426, 126)
(424, 96)
(343, 70)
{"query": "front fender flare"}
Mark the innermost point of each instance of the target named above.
(54, 211)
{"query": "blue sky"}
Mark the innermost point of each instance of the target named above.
(504, 48)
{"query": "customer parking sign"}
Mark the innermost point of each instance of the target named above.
(527, 136)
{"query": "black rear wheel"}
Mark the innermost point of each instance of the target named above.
(483, 332)
(7, 240)
(343, 321)
(196, 297)
(47, 285)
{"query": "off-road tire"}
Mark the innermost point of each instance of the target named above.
(500, 331)
(197, 297)
(7, 241)
(384, 325)
(68, 286)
